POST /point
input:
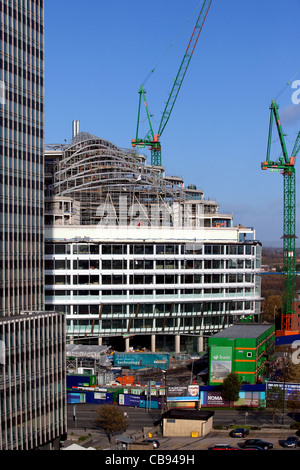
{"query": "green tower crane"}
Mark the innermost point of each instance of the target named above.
(152, 140)
(286, 165)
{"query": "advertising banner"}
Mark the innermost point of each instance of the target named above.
(191, 390)
(141, 360)
(215, 399)
(220, 363)
(129, 400)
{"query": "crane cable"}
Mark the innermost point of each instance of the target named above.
(175, 39)
(286, 85)
(282, 90)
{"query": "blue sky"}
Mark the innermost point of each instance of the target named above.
(97, 53)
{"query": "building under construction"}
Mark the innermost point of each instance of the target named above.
(134, 254)
(93, 182)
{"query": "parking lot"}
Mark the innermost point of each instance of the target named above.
(222, 437)
(100, 441)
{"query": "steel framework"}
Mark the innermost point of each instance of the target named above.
(152, 140)
(286, 165)
(93, 182)
(113, 186)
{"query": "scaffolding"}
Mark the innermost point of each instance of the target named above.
(114, 186)
(93, 182)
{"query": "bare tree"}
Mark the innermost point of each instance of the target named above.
(111, 420)
(274, 401)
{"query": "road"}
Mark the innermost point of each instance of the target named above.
(85, 413)
(138, 417)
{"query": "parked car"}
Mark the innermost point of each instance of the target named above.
(256, 442)
(222, 447)
(239, 432)
(252, 448)
(155, 442)
(291, 441)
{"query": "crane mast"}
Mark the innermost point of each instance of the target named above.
(286, 165)
(152, 140)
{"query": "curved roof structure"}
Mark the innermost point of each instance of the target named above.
(102, 178)
(82, 137)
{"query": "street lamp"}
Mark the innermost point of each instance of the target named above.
(164, 407)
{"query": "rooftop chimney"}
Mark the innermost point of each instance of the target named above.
(75, 128)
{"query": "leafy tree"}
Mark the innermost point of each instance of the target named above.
(231, 387)
(111, 420)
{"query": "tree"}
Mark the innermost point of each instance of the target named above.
(271, 307)
(292, 372)
(231, 387)
(111, 420)
(293, 402)
(275, 397)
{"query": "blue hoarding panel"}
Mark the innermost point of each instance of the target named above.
(81, 380)
(289, 339)
(90, 397)
(153, 404)
(127, 399)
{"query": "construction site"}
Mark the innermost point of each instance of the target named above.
(93, 182)
(103, 200)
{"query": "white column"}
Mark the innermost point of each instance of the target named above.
(127, 344)
(177, 344)
(200, 343)
(153, 343)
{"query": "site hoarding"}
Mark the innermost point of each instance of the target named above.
(97, 397)
(213, 398)
(184, 396)
(291, 390)
(134, 360)
(220, 363)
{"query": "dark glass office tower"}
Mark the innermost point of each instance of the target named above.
(21, 149)
(32, 343)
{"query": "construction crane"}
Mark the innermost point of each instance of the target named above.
(286, 165)
(152, 140)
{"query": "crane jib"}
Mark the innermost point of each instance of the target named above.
(153, 144)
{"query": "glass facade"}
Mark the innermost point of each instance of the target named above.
(108, 289)
(132, 253)
(32, 382)
(32, 363)
(21, 149)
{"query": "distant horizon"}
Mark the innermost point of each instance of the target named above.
(274, 244)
